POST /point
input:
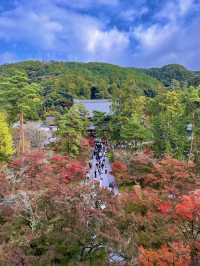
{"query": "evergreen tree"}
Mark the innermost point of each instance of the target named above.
(134, 130)
(169, 124)
(20, 98)
(18, 95)
(72, 127)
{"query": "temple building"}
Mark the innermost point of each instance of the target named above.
(100, 105)
(97, 105)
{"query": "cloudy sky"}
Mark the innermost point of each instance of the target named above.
(140, 33)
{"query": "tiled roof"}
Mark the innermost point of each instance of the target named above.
(102, 105)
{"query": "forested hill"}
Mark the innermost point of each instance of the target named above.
(62, 80)
(174, 72)
(77, 79)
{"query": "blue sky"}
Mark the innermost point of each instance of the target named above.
(141, 33)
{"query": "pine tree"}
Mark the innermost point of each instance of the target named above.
(72, 127)
(20, 99)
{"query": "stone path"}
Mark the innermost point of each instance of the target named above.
(105, 179)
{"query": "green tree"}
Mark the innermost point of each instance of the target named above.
(101, 122)
(20, 98)
(134, 130)
(169, 124)
(115, 125)
(130, 121)
(18, 95)
(72, 128)
(175, 84)
(192, 103)
(6, 143)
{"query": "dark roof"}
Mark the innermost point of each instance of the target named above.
(102, 105)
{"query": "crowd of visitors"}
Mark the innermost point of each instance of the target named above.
(99, 164)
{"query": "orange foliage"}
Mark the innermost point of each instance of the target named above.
(177, 254)
(189, 207)
(165, 207)
(119, 170)
(169, 173)
(37, 169)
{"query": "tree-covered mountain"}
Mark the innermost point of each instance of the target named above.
(60, 82)
(80, 79)
(167, 74)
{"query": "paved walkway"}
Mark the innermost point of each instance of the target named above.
(104, 179)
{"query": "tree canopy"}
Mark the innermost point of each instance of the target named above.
(6, 142)
(18, 95)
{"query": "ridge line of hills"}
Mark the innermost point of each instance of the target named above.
(77, 79)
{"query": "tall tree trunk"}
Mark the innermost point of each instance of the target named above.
(22, 138)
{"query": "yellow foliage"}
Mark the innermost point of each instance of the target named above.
(6, 142)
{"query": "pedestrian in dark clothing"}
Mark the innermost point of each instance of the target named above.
(111, 185)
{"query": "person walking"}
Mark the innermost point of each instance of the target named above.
(99, 172)
(87, 176)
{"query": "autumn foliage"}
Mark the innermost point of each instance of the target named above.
(37, 167)
(50, 215)
(189, 207)
(119, 167)
(166, 209)
(170, 173)
(119, 170)
(177, 254)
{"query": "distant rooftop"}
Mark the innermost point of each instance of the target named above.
(100, 105)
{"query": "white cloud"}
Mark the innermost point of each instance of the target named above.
(39, 30)
(185, 6)
(55, 30)
(105, 41)
(68, 31)
(92, 41)
(154, 36)
(168, 11)
(169, 44)
(170, 40)
(174, 10)
(130, 15)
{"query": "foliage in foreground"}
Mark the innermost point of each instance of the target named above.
(168, 201)
(50, 216)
